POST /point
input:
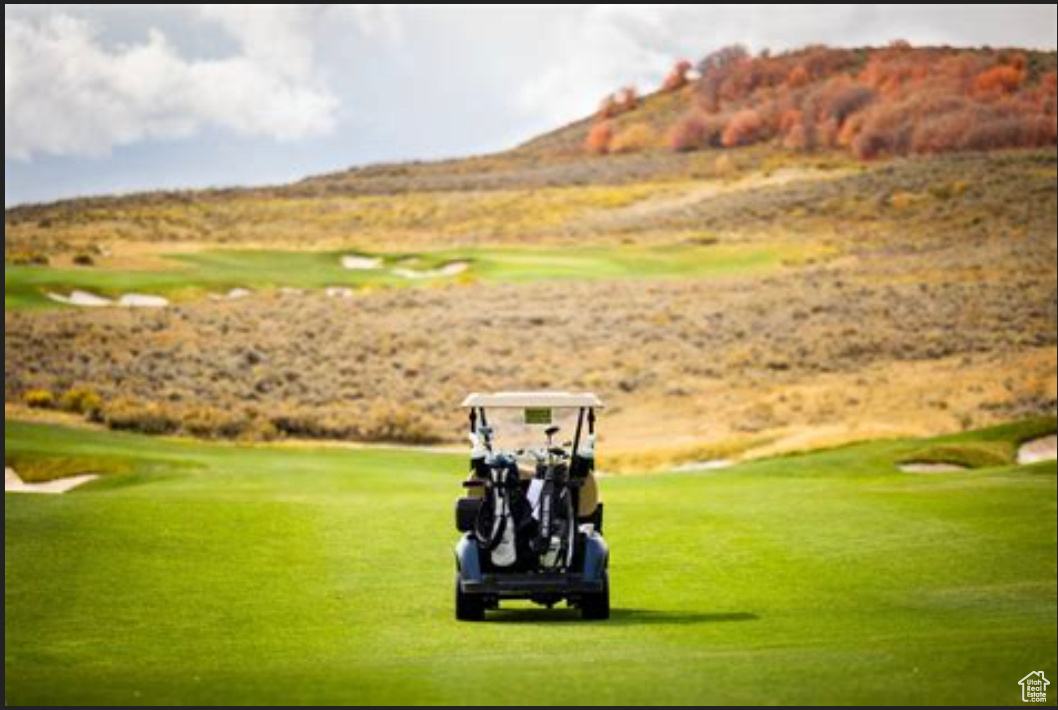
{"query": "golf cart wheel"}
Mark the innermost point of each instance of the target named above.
(469, 607)
(596, 607)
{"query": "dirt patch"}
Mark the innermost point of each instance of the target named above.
(13, 483)
(1043, 449)
(929, 467)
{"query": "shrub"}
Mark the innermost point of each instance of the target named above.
(210, 423)
(81, 401)
(142, 417)
(1011, 132)
(633, 138)
(695, 130)
(599, 137)
(628, 99)
(625, 100)
(39, 399)
(745, 128)
(841, 99)
(942, 132)
(609, 108)
(999, 80)
(798, 137)
(393, 423)
(677, 78)
(1050, 84)
(1049, 94)
(716, 70)
(27, 259)
(798, 77)
(84, 260)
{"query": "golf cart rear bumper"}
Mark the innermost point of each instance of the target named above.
(514, 586)
(589, 579)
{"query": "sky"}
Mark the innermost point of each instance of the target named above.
(102, 99)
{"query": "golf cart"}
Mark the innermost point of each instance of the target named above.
(530, 516)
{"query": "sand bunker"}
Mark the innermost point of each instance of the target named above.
(82, 299)
(13, 483)
(139, 300)
(712, 465)
(1045, 449)
(361, 263)
(450, 269)
(931, 467)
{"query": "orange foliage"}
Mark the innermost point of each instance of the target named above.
(746, 127)
(999, 80)
(628, 99)
(897, 100)
(609, 108)
(695, 130)
(677, 78)
(625, 100)
(1050, 83)
(599, 137)
(1049, 94)
(798, 77)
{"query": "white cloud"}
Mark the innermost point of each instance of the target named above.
(67, 92)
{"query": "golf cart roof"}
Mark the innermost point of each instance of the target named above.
(523, 400)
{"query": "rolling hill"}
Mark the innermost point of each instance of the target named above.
(727, 296)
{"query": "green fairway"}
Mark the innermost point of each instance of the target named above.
(209, 573)
(194, 275)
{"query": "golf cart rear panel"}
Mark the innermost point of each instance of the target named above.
(532, 532)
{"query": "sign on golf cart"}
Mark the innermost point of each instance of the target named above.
(531, 517)
(537, 415)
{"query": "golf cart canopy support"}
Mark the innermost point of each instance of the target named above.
(529, 400)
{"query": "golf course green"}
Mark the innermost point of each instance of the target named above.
(228, 574)
(216, 272)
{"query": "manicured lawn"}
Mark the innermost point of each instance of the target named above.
(223, 574)
(194, 275)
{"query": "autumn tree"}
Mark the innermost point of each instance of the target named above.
(745, 128)
(1001, 80)
(599, 137)
(678, 77)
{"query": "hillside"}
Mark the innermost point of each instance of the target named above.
(725, 296)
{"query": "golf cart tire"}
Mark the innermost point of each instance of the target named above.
(469, 607)
(596, 607)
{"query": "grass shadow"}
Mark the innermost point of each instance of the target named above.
(618, 617)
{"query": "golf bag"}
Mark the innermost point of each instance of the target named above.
(505, 525)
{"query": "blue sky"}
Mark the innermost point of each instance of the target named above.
(115, 98)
